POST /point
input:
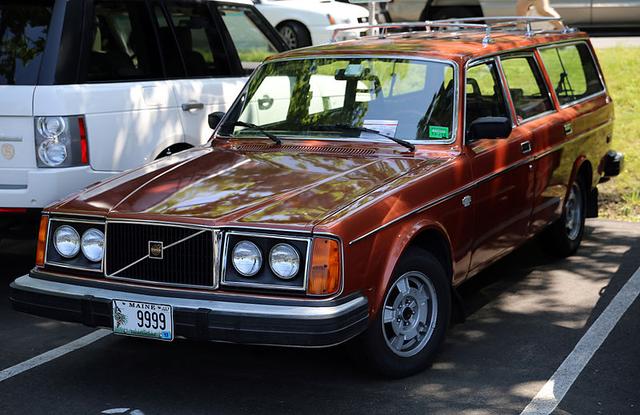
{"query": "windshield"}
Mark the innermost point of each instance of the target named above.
(347, 98)
(23, 34)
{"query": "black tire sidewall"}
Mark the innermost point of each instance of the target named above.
(303, 38)
(556, 238)
(377, 353)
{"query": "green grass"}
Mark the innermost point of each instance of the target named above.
(621, 195)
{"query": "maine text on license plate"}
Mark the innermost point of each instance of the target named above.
(133, 318)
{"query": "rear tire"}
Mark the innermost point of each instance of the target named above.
(410, 327)
(564, 236)
(295, 34)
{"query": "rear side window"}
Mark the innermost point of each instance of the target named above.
(123, 43)
(23, 35)
(526, 86)
(572, 71)
(244, 26)
(198, 39)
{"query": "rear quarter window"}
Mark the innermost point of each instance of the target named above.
(23, 35)
(572, 71)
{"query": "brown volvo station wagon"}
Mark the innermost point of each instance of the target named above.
(346, 194)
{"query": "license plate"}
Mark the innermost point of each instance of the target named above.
(133, 318)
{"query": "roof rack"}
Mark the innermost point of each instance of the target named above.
(487, 25)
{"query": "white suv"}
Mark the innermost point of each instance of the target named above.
(92, 88)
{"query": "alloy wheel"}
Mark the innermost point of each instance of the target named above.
(573, 212)
(410, 314)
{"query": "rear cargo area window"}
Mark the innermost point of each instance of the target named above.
(572, 71)
(23, 35)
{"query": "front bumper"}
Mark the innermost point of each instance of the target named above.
(301, 323)
(39, 187)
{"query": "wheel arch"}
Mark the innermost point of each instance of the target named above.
(425, 234)
(172, 149)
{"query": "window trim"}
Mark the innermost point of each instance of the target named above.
(507, 98)
(455, 106)
(595, 63)
(527, 54)
(262, 25)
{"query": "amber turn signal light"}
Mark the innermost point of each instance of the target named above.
(325, 267)
(42, 240)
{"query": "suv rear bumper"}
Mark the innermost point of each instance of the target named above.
(39, 187)
(305, 323)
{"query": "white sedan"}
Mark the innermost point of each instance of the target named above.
(308, 22)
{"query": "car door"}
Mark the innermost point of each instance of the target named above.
(208, 77)
(130, 110)
(612, 13)
(503, 176)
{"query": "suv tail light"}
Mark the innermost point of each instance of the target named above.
(61, 141)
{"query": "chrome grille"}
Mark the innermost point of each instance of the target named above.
(187, 257)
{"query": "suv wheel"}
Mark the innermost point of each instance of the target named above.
(410, 327)
(295, 35)
(564, 236)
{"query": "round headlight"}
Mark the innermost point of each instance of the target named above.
(51, 127)
(284, 261)
(52, 152)
(93, 245)
(66, 241)
(247, 258)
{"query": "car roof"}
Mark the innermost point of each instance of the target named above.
(442, 45)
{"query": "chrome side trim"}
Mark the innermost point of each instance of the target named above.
(240, 309)
(444, 198)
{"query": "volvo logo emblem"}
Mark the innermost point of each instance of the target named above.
(155, 250)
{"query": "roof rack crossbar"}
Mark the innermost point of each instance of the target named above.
(488, 25)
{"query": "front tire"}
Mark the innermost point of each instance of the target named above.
(563, 237)
(410, 327)
(295, 34)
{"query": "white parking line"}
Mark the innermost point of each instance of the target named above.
(53, 354)
(552, 393)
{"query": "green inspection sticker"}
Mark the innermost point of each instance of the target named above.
(438, 132)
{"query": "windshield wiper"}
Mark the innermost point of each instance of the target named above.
(272, 137)
(364, 130)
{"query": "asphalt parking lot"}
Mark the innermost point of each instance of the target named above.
(525, 315)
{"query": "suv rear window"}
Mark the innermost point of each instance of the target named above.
(572, 71)
(23, 35)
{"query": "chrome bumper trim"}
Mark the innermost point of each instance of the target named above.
(297, 312)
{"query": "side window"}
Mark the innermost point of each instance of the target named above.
(198, 39)
(485, 97)
(170, 53)
(572, 71)
(123, 45)
(526, 86)
(244, 26)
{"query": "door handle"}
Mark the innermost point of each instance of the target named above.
(525, 147)
(192, 106)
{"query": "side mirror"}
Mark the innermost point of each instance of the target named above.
(490, 127)
(214, 119)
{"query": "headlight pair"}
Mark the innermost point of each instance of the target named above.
(68, 243)
(284, 259)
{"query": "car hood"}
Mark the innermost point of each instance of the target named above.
(226, 187)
